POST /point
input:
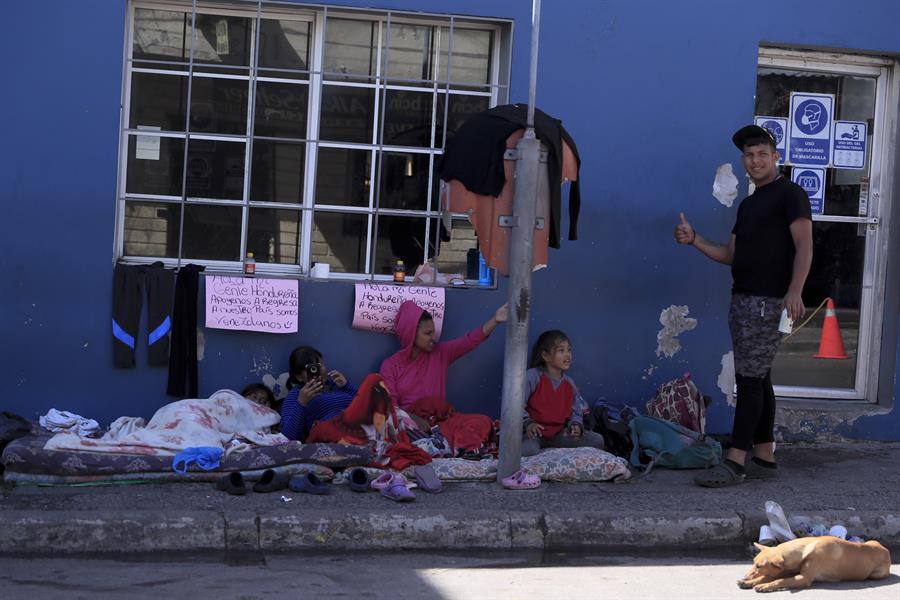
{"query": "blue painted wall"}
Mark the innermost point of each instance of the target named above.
(651, 92)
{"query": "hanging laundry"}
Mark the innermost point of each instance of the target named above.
(130, 284)
(183, 357)
(481, 183)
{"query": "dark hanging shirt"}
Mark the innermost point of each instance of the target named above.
(474, 156)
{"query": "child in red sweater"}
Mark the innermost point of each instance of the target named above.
(553, 413)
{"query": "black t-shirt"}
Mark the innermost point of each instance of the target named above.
(763, 261)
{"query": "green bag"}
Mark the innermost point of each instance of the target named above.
(671, 445)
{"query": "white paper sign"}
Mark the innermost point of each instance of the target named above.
(146, 147)
(376, 305)
(813, 183)
(809, 137)
(251, 304)
(849, 145)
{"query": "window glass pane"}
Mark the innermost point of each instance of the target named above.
(350, 48)
(407, 118)
(409, 54)
(342, 176)
(212, 232)
(215, 169)
(461, 108)
(273, 235)
(455, 256)
(281, 109)
(158, 101)
(347, 114)
(339, 239)
(277, 172)
(151, 229)
(400, 238)
(471, 61)
(404, 181)
(284, 45)
(219, 105)
(160, 35)
(222, 40)
(837, 273)
(155, 165)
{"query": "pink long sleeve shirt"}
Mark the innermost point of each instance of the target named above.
(410, 380)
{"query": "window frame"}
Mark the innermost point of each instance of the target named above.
(496, 92)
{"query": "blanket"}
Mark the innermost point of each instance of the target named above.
(213, 421)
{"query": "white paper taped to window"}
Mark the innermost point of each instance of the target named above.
(147, 146)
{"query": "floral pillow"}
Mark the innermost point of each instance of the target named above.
(577, 464)
(551, 464)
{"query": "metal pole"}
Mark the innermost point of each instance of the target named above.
(515, 358)
(535, 43)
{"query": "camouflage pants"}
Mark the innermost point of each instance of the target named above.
(753, 321)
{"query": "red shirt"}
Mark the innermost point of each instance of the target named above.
(550, 407)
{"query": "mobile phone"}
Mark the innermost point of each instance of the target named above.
(313, 371)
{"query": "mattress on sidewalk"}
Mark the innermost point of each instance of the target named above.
(26, 461)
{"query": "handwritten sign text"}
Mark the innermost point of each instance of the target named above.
(251, 304)
(376, 305)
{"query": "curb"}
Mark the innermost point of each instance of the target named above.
(134, 532)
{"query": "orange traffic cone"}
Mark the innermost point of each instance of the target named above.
(831, 345)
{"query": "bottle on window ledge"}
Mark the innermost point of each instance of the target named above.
(249, 265)
(399, 272)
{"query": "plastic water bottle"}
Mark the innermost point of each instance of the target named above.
(249, 265)
(484, 271)
(399, 272)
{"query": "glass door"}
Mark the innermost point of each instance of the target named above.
(820, 361)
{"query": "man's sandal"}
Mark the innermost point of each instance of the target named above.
(721, 475)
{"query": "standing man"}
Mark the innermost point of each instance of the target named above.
(770, 252)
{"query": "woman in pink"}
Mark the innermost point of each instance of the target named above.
(417, 375)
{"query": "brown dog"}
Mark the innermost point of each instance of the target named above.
(798, 563)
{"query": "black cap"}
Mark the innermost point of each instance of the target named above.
(743, 134)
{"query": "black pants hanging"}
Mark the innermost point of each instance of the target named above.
(183, 357)
(130, 284)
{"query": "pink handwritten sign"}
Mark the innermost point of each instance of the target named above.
(376, 305)
(251, 304)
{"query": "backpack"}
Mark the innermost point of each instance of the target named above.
(615, 434)
(679, 401)
(660, 442)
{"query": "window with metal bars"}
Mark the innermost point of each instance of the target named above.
(298, 133)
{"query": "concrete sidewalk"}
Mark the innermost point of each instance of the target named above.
(857, 485)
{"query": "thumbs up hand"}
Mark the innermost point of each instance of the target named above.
(684, 232)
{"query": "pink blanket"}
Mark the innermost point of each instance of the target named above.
(212, 421)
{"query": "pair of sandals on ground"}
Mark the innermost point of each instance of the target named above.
(270, 481)
(391, 485)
